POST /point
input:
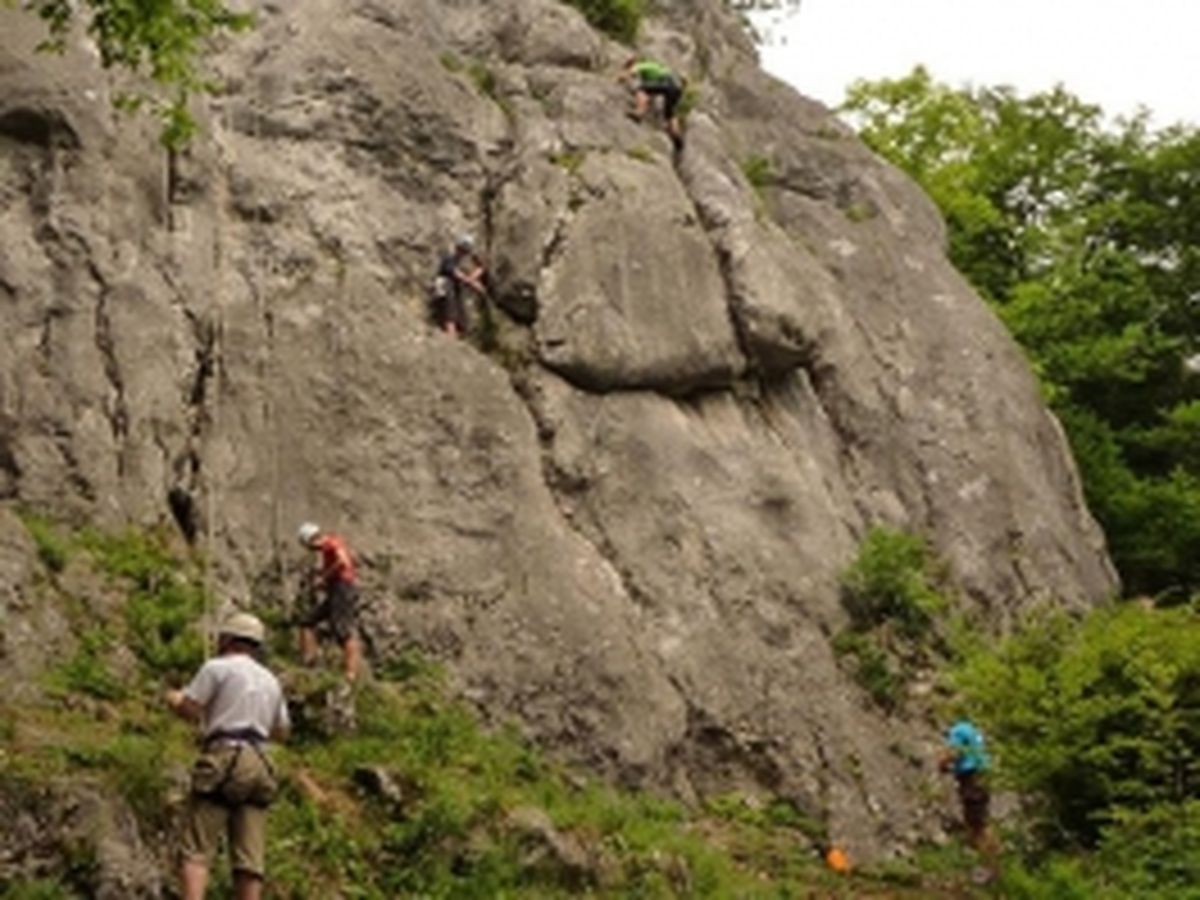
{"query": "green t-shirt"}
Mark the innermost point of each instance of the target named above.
(652, 73)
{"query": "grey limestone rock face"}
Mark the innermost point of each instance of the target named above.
(622, 520)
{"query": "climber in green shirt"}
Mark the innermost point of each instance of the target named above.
(652, 79)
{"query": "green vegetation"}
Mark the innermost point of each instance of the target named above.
(474, 813)
(893, 580)
(891, 592)
(570, 160)
(758, 172)
(641, 154)
(161, 41)
(163, 604)
(1097, 723)
(1083, 237)
(52, 549)
(620, 19)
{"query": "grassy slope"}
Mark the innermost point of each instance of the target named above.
(453, 830)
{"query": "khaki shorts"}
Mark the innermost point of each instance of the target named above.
(240, 771)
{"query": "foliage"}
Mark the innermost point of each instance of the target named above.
(161, 40)
(87, 672)
(893, 579)
(569, 160)
(1097, 722)
(874, 670)
(40, 889)
(620, 19)
(758, 172)
(163, 604)
(1084, 237)
(890, 592)
(53, 549)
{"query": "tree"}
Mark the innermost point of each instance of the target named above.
(1085, 237)
(159, 40)
(1094, 721)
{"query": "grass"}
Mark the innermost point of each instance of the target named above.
(758, 172)
(570, 161)
(453, 831)
(620, 19)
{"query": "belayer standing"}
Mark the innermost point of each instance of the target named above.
(334, 579)
(460, 270)
(652, 79)
(966, 757)
(240, 705)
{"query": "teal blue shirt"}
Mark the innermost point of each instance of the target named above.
(967, 743)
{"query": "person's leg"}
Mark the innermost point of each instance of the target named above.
(308, 645)
(202, 833)
(641, 103)
(247, 850)
(343, 618)
(247, 886)
(352, 657)
(193, 878)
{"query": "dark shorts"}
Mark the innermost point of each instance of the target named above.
(975, 798)
(339, 609)
(448, 305)
(671, 92)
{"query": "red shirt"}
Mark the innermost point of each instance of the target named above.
(336, 562)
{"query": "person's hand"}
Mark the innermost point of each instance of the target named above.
(173, 697)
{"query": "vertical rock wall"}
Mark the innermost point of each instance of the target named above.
(625, 522)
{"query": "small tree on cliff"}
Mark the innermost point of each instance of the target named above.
(158, 40)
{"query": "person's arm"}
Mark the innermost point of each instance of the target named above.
(190, 702)
(282, 726)
(184, 706)
(473, 278)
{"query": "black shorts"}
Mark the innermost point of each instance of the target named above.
(670, 91)
(339, 608)
(449, 305)
(975, 798)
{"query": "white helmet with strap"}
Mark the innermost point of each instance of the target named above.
(307, 532)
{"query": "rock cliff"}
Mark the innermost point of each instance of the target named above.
(619, 514)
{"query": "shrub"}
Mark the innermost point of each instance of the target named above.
(1096, 721)
(892, 580)
(87, 672)
(164, 605)
(620, 19)
(52, 548)
(758, 172)
(873, 671)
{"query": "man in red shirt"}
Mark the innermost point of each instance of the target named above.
(333, 576)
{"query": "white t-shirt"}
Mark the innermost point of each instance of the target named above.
(238, 693)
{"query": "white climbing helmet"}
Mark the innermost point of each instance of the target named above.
(465, 242)
(307, 532)
(244, 626)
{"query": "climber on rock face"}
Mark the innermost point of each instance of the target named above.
(458, 270)
(334, 578)
(652, 79)
(240, 705)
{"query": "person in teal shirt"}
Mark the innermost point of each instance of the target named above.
(652, 79)
(966, 756)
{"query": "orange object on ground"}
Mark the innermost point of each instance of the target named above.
(837, 860)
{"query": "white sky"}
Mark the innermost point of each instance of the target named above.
(1116, 53)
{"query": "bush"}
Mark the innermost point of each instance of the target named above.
(873, 671)
(1096, 721)
(892, 580)
(164, 605)
(620, 19)
(87, 672)
(52, 548)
